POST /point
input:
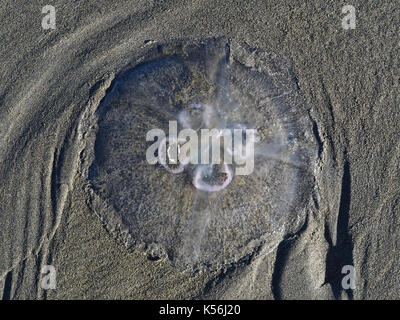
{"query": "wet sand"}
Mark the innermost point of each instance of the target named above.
(53, 80)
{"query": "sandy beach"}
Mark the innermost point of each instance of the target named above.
(76, 194)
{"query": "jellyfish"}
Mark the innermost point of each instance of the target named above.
(200, 214)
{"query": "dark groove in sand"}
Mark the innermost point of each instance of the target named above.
(282, 255)
(341, 253)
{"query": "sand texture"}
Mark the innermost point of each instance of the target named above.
(76, 192)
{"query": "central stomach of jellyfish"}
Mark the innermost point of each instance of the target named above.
(203, 214)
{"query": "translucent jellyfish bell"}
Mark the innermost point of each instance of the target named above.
(201, 216)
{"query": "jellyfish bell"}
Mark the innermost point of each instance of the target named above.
(202, 84)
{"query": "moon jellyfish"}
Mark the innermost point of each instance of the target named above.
(202, 215)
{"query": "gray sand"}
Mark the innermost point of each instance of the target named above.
(53, 80)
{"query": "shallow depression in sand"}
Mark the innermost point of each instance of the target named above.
(164, 211)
